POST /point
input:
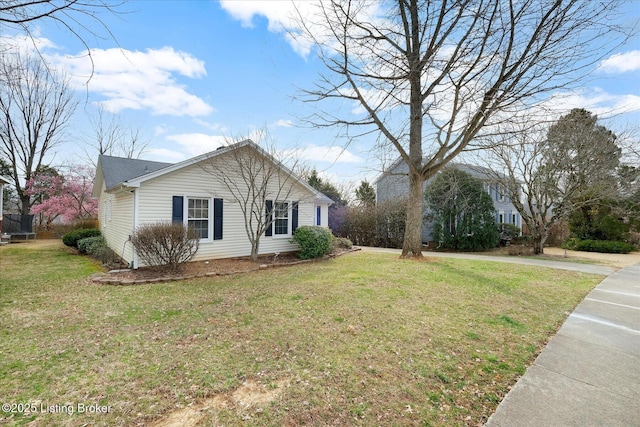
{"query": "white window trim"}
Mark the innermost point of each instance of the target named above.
(502, 193)
(108, 209)
(185, 215)
(289, 220)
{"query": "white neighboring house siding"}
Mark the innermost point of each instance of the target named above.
(115, 216)
(155, 204)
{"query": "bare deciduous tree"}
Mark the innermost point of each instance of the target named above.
(113, 138)
(549, 175)
(79, 17)
(254, 175)
(35, 107)
(430, 76)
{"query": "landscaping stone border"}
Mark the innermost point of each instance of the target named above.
(104, 279)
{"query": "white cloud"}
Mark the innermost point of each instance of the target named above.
(596, 100)
(295, 20)
(138, 80)
(198, 143)
(163, 155)
(25, 44)
(159, 130)
(622, 62)
(318, 153)
(216, 127)
(280, 15)
(283, 123)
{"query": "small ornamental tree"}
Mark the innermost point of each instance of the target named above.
(44, 184)
(551, 172)
(463, 213)
(67, 197)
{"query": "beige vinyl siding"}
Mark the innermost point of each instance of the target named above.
(155, 204)
(118, 224)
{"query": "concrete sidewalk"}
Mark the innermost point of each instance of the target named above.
(589, 373)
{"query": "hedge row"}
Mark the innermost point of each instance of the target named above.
(72, 237)
(603, 246)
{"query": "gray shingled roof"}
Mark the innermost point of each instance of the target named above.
(116, 170)
(480, 172)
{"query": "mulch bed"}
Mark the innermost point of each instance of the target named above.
(197, 269)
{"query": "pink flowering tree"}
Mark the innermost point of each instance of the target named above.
(66, 197)
(43, 184)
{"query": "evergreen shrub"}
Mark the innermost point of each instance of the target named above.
(314, 241)
(71, 238)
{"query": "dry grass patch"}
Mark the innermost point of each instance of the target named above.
(365, 339)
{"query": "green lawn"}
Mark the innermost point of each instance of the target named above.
(364, 339)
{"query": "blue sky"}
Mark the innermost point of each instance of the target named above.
(191, 74)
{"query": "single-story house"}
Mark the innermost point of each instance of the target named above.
(3, 181)
(132, 192)
(393, 184)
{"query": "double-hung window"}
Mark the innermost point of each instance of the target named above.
(198, 216)
(201, 214)
(502, 193)
(281, 218)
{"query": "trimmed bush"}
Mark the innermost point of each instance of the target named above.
(71, 238)
(98, 249)
(604, 246)
(89, 245)
(165, 244)
(342, 243)
(313, 241)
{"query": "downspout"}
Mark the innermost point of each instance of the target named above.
(135, 227)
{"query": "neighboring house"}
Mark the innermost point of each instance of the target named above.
(393, 184)
(132, 192)
(3, 181)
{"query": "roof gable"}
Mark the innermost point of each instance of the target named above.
(117, 171)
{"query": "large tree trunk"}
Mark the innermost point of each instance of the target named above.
(538, 244)
(25, 204)
(412, 245)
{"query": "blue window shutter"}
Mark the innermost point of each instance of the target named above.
(217, 219)
(294, 217)
(269, 230)
(177, 214)
(318, 215)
